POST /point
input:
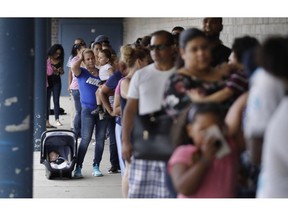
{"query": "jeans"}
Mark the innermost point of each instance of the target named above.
(56, 89)
(99, 147)
(113, 146)
(88, 124)
(77, 118)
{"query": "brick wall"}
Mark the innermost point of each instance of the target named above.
(54, 30)
(233, 27)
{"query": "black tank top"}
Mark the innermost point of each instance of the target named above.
(54, 78)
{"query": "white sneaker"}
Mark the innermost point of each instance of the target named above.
(58, 123)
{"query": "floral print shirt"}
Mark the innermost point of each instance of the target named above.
(177, 86)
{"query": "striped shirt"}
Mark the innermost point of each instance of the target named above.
(238, 82)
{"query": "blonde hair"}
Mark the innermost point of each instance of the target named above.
(130, 54)
(87, 51)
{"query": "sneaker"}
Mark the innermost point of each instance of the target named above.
(58, 123)
(113, 169)
(96, 172)
(48, 125)
(77, 172)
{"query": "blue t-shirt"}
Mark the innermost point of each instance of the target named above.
(112, 82)
(88, 85)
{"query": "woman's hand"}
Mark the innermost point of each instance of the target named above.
(80, 54)
(208, 148)
(61, 71)
(195, 95)
(226, 69)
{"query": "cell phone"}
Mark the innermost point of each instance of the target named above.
(221, 143)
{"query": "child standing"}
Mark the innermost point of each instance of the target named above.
(196, 169)
(105, 71)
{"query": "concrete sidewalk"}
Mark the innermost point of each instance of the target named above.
(108, 186)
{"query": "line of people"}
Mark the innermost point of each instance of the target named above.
(221, 101)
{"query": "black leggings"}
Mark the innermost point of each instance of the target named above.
(56, 90)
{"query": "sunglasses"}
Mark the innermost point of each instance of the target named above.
(159, 47)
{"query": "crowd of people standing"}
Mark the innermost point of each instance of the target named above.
(226, 106)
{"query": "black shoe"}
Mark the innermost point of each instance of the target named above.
(95, 112)
(106, 115)
(98, 110)
(113, 169)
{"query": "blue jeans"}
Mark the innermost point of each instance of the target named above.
(77, 118)
(56, 90)
(113, 146)
(88, 124)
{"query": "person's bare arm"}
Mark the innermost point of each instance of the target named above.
(130, 111)
(218, 96)
(187, 179)
(116, 105)
(75, 67)
(70, 77)
(104, 96)
(234, 123)
(234, 116)
(110, 71)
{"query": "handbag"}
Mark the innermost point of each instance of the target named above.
(151, 136)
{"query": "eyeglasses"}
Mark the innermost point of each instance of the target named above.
(159, 47)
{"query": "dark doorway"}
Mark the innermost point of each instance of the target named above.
(88, 29)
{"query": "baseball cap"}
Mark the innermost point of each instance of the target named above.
(101, 38)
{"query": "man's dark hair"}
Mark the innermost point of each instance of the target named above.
(169, 37)
(178, 28)
(242, 45)
(274, 55)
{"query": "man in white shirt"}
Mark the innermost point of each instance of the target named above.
(273, 177)
(147, 177)
(265, 94)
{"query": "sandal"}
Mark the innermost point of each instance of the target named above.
(50, 126)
